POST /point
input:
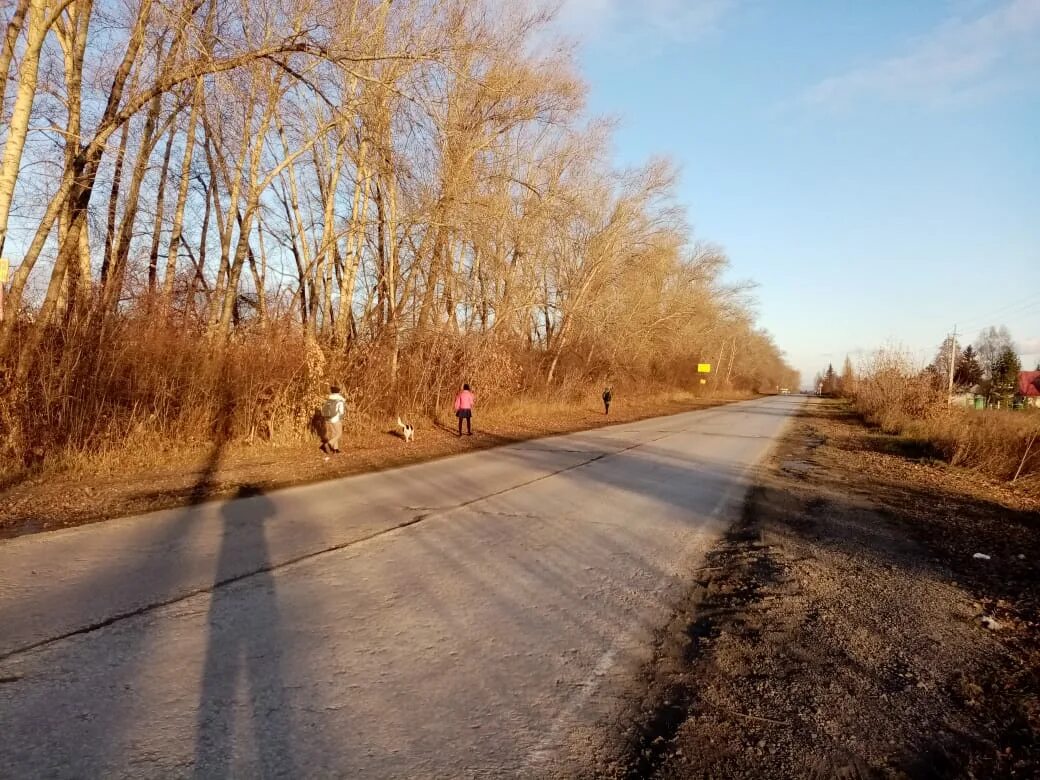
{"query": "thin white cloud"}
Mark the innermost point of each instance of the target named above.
(962, 59)
(685, 20)
(675, 21)
(1030, 346)
(574, 19)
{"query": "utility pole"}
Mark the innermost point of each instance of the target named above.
(953, 361)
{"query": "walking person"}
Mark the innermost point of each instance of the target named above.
(607, 397)
(464, 409)
(332, 411)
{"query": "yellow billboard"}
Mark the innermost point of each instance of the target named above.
(704, 368)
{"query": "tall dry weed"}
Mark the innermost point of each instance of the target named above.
(145, 386)
(898, 397)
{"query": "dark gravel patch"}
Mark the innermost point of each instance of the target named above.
(844, 628)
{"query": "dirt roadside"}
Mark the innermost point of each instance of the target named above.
(845, 628)
(154, 481)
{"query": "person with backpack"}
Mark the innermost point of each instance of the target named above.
(332, 412)
(607, 397)
(464, 409)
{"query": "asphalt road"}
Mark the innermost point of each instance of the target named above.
(473, 616)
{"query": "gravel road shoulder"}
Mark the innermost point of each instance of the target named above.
(845, 628)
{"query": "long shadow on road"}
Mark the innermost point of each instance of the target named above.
(71, 708)
(243, 675)
(59, 600)
(244, 721)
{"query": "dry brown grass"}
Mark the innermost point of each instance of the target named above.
(896, 397)
(143, 393)
(147, 387)
(993, 441)
(123, 482)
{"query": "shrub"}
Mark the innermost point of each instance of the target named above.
(901, 400)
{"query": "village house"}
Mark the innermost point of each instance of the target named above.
(971, 398)
(1029, 387)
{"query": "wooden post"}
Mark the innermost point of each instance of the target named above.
(1025, 455)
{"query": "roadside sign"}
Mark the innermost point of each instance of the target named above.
(704, 368)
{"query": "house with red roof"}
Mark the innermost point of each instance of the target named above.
(1029, 387)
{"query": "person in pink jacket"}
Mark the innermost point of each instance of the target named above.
(464, 409)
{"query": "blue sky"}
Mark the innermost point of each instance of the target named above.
(874, 166)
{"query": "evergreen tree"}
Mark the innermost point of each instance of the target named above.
(848, 378)
(1004, 379)
(830, 381)
(968, 372)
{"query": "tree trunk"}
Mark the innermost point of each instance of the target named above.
(112, 286)
(352, 255)
(14, 28)
(182, 197)
(153, 253)
(261, 277)
(229, 306)
(200, 268)
(73, 40)
(113, 204)
(18, 125)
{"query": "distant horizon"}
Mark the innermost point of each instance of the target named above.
(921, 356)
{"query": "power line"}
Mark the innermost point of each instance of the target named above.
(1028, 300)
(1020, 307)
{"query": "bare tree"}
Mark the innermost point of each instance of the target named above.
(401, 191)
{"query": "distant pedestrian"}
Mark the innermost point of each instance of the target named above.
(607, 397)
(332, 412)
(464, 409)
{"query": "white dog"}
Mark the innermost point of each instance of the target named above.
(406, 429)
